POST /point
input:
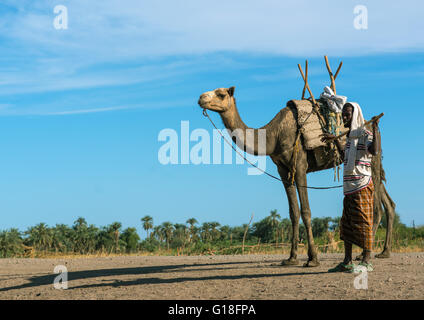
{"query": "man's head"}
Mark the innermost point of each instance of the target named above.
(347, 114)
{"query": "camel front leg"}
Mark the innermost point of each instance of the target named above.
(294, 217)
(301, 183)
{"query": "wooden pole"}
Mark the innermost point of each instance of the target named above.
(245, 233)
(306, 79)
(367, 122)
(306, 84)
(315, 104)
(338, 69)
(333, 83)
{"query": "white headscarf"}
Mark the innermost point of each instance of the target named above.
(356, 131)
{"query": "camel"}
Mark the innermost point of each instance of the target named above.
(280, 137)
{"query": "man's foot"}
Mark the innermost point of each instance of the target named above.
(343, 267)
(367, 265)
(363, 266)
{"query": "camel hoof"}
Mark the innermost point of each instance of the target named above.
(311, 263)
(383, 255)
(289, 262)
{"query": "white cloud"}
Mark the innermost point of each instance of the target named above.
(113, 29)
(105, 37)
(94, 110)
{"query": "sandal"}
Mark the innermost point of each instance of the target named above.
(368, 266)
(341, 267)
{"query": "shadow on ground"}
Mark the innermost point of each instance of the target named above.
(36, 281)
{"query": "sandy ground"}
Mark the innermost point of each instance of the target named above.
(209, 277)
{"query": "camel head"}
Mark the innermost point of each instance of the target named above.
(218, 100)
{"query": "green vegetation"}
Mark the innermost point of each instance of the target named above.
(271, 234)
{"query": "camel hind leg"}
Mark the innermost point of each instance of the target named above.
(389, 208)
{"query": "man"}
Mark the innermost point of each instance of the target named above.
(357, 219)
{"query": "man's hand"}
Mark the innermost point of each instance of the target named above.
(375, 122)
(375, 146)
(327, 137)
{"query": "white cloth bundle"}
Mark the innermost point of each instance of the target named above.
(334, 102)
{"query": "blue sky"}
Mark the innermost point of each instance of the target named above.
(81, 109)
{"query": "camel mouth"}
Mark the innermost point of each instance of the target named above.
(205, 104)
(201, 103)
(208, 106)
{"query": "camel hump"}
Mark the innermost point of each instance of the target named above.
(300, 104)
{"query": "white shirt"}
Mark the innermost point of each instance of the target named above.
(360, 176)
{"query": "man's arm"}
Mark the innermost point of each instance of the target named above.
(327, 136)
(375, 147)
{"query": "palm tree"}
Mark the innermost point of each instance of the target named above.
(320, 226)
(191, 222)
(285, 224)
(105, 240)
(158, 233)
(11, 243)
(80, 222)
(225, 232)
(214, 232)
(80, 235)
(274, 216)
(147, 223)
(181, 234)
(205, 231)
(195, 234)
(131, 239)
(40, 236)
(167, 228)
(114, 229)
(92, 238)
(62, 238)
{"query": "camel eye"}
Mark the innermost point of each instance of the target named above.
(220, 95)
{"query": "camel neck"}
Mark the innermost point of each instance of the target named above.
(251, 140)
(231, 118)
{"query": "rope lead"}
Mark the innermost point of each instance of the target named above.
(252, 164)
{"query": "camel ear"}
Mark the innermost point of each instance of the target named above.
(231, 91)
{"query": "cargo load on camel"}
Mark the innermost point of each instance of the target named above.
(316, 117)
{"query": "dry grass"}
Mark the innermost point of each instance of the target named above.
(283, 248)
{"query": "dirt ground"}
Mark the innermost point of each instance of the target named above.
(238, 277)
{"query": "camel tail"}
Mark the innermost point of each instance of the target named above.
(392, 203)
(383, 175)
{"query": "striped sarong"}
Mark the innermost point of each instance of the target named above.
(357, 219)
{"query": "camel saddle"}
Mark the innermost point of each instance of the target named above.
(312, 128)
